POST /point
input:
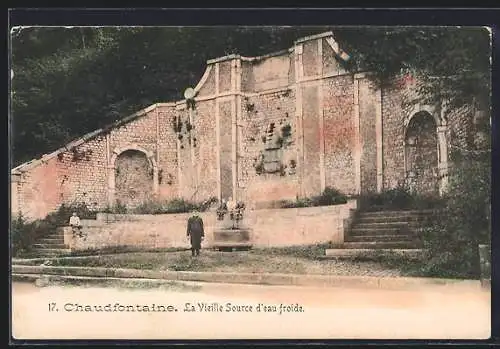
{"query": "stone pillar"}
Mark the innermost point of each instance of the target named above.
(14, 194)
(234, 131)
(194, 177)
(111, 185)
(157, 142)
(236, 71)
(321, 118)
(357, 138)
(379, 140)
(155, 177)
(110, 173)
(233, 148)
(179, 169)
(217, 131)
(299, 141)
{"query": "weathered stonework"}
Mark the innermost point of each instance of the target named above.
(311, 225)
(261, 129)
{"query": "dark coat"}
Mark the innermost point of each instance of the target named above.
(195, 230)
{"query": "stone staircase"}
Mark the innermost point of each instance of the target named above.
(51, 245)
(383, 231)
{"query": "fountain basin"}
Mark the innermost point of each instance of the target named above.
(232, 238)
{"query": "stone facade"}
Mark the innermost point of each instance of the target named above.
(259, 129)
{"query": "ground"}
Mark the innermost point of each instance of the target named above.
(327, 313)
(254, 261)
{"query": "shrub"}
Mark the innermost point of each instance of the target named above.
(173, 206)
(21, 234)
(24, 234)
(330, 196)
(178, 206)
(117, 208)
(452, 239)
(65, 211)
(304, 202)
(399, 198)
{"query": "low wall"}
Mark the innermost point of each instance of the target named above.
(270, 227)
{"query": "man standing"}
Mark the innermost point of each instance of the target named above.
(196, 232)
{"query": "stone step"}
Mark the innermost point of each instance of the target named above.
(49, 246)
(370, 225)
(54, 235)
(390, 219)
(381, 231)
(380, 238)
(52, 240)
(392, 213)
(371, 253)
(381, 245)
(51, 251)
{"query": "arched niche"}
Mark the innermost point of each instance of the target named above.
(426, 151)
(133, 176)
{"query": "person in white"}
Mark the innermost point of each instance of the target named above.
(74, 222)
(231, 205)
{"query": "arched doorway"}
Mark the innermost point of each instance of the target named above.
(421, 154)
(134, 178)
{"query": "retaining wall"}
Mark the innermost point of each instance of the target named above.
(270, 227)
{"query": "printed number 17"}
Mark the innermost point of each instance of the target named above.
(52, 306)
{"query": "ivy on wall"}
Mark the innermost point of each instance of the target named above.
(271, 157)
(184, 129)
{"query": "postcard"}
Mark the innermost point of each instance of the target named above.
(231, 182)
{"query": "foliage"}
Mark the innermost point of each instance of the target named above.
(399, 198)
(452, 63)
(286, 131)
(24, 233)
(61, 216)
(452, 239)
(330, 196)
(173, 206)
(21, 234)
(299, 202)
(104, 74)
(118, 208)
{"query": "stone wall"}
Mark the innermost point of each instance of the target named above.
(268, 73)
(270, 227)
(343, 133)
(452, 129)
(393, 141)
(205, 150)
(259, 112)
(38, 191)
(168, 176)
(368, 136)
(339, 132)
(83, 171)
